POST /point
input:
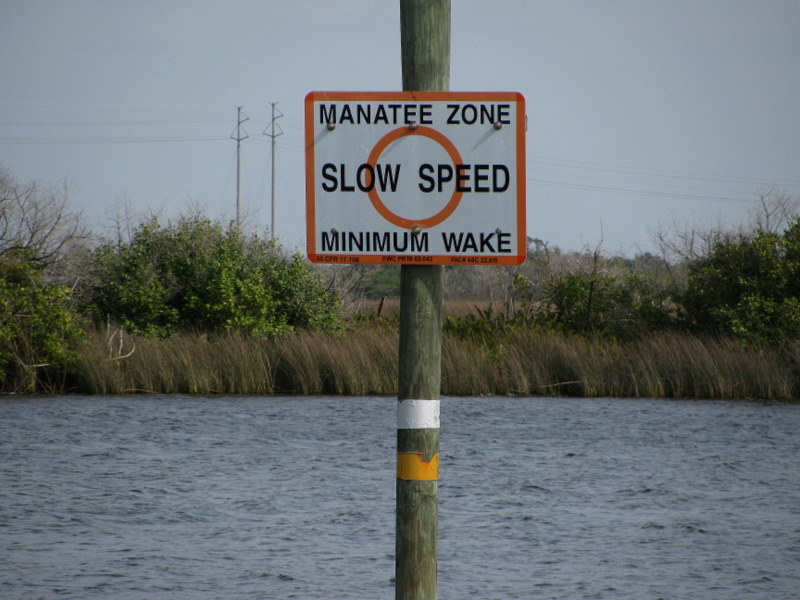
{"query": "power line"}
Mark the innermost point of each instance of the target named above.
(12, 140)
(617, 190)
(547, 171)
(109, 123)
(693, 176)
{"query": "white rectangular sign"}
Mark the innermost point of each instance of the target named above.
(415, 177)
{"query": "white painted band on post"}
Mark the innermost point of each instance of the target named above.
(418, 414)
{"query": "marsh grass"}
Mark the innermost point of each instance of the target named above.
(357, 363)
(363, 361)
(663, 365)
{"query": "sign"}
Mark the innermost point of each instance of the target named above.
(415, 177)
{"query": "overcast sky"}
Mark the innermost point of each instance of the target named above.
(640, 112)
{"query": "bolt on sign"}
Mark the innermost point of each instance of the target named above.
(415, 177)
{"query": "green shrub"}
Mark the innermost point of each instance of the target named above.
(623, 307)
(488, 328)
(748, 286)
(197, 275)
(38, 327)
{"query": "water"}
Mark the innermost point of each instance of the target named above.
(148, 497)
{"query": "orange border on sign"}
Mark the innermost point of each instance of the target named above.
(437, 259)
(382, 144)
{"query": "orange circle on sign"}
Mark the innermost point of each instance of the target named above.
(376, 199)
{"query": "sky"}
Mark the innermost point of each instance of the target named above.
(642, 115)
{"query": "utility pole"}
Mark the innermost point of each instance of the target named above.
(273, 135)
(240, 135)
(425, 49)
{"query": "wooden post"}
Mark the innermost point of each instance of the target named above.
(425, 49)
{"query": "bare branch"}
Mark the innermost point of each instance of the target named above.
(118, 353)
(776, 210)
(36, 220)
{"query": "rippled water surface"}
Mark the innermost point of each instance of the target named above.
(150, 497)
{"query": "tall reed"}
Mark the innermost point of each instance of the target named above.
(358, 363)
(663, 365)
(363, 361)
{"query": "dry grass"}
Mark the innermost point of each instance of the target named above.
(364, 362)
(358, 363)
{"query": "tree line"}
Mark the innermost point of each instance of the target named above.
(193, 274)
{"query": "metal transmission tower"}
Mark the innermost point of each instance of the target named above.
(239, 135)
(273, 135)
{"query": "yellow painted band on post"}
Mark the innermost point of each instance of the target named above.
(410, 466)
